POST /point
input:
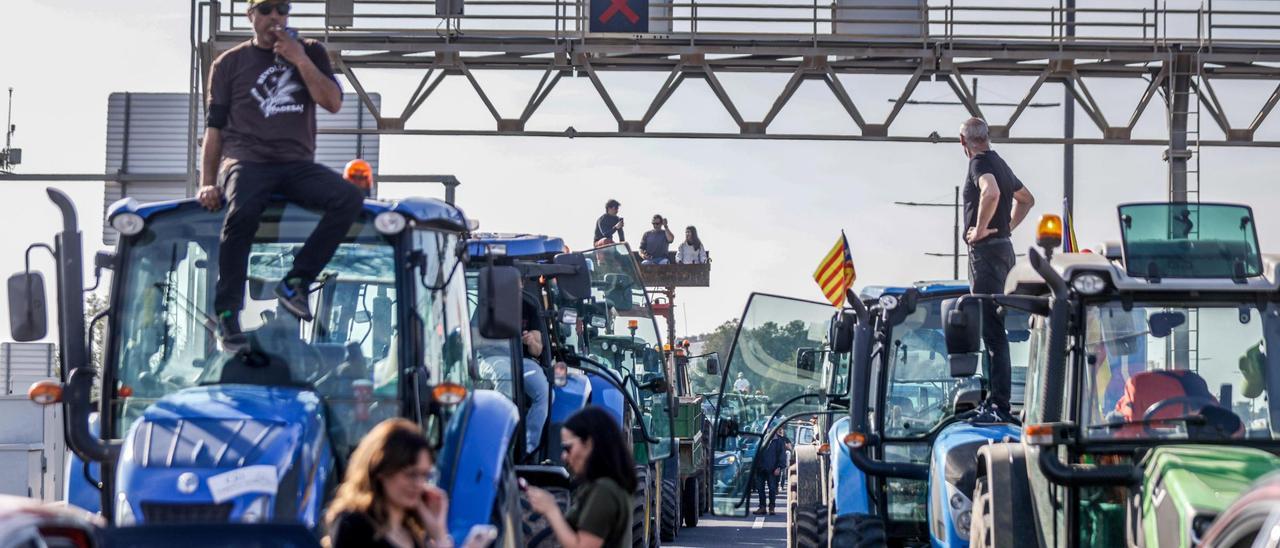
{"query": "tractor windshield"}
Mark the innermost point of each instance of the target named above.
(921, 391)
(621, 332)
(1183, 240)
(165, 337)
(765, 376)
(1197, 371)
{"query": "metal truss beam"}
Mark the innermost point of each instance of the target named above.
(947, 51)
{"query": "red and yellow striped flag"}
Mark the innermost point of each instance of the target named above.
(835, 274)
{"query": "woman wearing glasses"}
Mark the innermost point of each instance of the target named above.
(594, 452)
(385, 501)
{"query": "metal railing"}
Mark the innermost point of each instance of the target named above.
(1126, 22)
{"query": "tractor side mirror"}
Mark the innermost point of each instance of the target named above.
(657, 386)
(842, 332)
(578, 284)
(806, 362)
(713, 364)
(28, 316)
(499, 306)
(963, 329)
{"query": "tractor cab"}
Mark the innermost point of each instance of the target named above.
(174, 430)
(1148, 379)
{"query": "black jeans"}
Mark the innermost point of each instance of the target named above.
(248, 187)
(766, 479)
(989, 264)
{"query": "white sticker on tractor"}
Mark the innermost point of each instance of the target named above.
(259, 478)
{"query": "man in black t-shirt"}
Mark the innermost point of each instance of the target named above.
(260, 139)
(608, 224)
(995, 202)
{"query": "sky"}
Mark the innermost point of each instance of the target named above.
(767, 211)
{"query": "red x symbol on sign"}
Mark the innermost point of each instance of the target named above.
(616, 6)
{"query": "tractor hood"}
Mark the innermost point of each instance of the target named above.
(216, 450)
(1186, 486)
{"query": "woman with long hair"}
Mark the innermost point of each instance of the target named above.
(691, 250)
(385, 499)
(600, 461)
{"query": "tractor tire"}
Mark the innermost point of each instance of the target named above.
(639, 508)
(670, 511)
(810, 526)
(807, 520)
(537, 531)
(858, 531)
(691, 501)
(982, 524)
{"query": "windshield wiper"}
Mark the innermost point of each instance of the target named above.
(1196, 419)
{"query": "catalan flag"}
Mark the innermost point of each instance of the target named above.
(1069, 243)
(835, 274)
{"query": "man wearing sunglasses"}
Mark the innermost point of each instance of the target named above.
(260, 140)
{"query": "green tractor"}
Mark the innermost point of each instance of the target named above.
(692, 431)
(1148, 401)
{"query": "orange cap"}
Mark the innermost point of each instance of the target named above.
(359, 173)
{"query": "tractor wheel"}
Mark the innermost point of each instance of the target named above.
(639, 507)
(670, 511)
(537, 530)
(981, 527)
(858, 531)
(691, 502)
(810, 528)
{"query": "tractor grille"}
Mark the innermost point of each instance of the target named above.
(186, 513)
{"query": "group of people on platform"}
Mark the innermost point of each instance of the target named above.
(655, 244)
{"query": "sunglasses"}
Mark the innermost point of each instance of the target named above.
(265, 9)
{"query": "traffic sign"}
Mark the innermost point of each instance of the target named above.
(620, 16)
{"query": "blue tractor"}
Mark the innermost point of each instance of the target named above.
(795, 365)
(168, 429)
(903, 471)
(568, 300)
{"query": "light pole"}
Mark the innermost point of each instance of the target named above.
(955, 254)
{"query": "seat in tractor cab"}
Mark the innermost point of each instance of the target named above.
(1153, 397)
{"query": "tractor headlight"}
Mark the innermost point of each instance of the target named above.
(961, 510)
(256, 512)
(888, 302)
(128, 224)
(124, 512)
(1089, 283)
(389, 222)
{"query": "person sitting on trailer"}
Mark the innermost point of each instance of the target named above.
(260, 141)
(691, 250)
(655, 245)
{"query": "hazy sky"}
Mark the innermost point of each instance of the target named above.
(767, 210)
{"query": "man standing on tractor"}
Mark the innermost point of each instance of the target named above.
(608, 224)
(260, 140)
(995, 202)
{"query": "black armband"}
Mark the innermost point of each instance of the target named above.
(217, 115)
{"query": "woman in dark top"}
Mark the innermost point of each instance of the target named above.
(600, 461)
(385, 500)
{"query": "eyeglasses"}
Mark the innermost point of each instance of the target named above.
(265, 9)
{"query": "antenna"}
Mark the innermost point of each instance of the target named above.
(10, 156)
(8, 131)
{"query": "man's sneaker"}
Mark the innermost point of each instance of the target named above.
(230, 338)
(292, 294)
